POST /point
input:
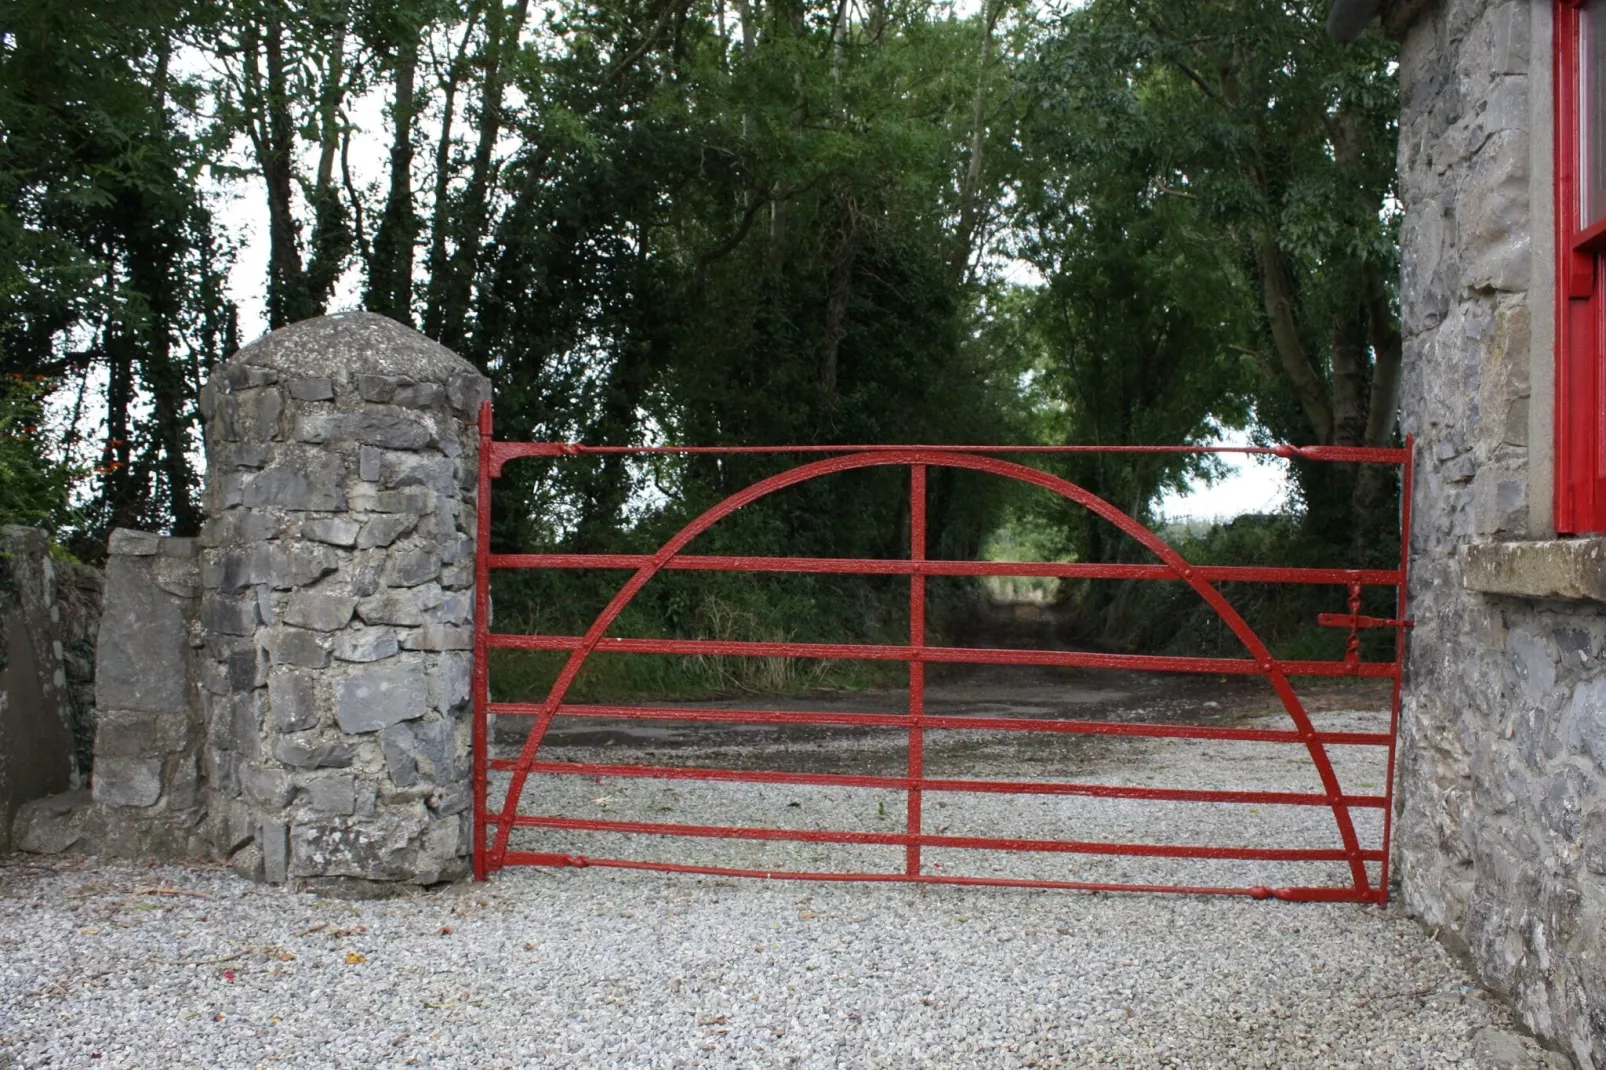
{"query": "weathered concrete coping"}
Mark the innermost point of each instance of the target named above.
(1552, 568)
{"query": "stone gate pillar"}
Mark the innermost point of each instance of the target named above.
(337, 586)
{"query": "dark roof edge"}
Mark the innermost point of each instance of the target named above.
(1348, 19)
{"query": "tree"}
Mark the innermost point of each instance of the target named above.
(1285, 143)
(109, 267)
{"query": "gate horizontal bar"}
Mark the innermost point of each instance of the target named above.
(1299, 895)
(981, 843)
(946, 654)
(902, 720)
(877, 566)
(898, 783)
(506, 451)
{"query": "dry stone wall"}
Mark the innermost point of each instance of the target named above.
(337, 597)
(1501, 837)
(49, 615)
(146, 799)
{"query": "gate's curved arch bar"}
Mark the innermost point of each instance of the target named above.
(933, 457)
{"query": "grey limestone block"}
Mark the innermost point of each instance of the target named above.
(1584, 724)
(142, 651)
(334, 530)
(292, 699)
(320, 610)
(421, 751)
(300, 564)
(409, 568)
(466, 393)
(120, 781)
(289, 645)
(139, 733)
(450, 680)
(437, 472)
(366, 644)
(455, 607)
(302, 752)
(181, 780)
(388, 430)
(126, 542)
(401, 761)
(241, 376)
(416, 501)
(400, 390)
(265, 786)
(372, 697)
(51, 825)
(295, 488)
(384, 530)
(384, 847)
(222, 776)
(275, 840)
(223, 614)
(331, 794)
(406, 607)
(245, 723)
(438, 637)
(318, 388)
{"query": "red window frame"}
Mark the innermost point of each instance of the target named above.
(1580, 413)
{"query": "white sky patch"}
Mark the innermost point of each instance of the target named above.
(1253, 484)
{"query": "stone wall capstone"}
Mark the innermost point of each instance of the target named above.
(1501, 834)
(337, 590)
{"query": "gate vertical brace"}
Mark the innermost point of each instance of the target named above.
(1407, 472)
(482, 628)
(917, 665)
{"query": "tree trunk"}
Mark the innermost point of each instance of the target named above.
(288, 300)
(472, 221)
(331, 230)
(1307, 384)
(390, 273)
(1382, 410)
(970, 187)
(843, 253)
(441, 210)
(1348, 354)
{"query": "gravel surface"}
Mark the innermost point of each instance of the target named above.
(120, 965)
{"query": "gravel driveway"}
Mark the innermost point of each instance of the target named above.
(121, 965)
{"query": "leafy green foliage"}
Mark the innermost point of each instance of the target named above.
(721, 223)
(1263, 152)
(109, 269)
(34, 488)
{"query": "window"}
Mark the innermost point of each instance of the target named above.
(1580, 94)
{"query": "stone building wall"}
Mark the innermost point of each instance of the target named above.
(1501, 838)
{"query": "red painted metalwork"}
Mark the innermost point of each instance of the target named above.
(493, 828)
(1580, 410)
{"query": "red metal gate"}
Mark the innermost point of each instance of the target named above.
(494, 825)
